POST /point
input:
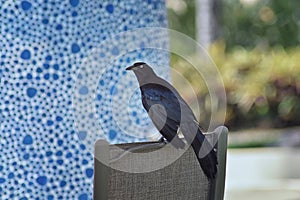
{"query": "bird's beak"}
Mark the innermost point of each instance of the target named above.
(130, 67)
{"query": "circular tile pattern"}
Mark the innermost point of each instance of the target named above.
(48, 50)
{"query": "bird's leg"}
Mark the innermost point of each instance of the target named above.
(162, 140)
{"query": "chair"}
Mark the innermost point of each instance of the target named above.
(151, 170)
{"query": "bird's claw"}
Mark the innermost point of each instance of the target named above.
(162, 140)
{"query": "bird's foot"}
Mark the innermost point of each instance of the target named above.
(162, 140)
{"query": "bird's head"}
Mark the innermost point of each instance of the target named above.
(142, 71)
(139, 66)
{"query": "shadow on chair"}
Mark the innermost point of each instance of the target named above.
(151, 170)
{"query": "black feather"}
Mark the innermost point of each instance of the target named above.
(168, 111)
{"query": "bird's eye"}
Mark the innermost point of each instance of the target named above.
(141, 66)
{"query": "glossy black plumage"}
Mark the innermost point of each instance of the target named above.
(169, 112)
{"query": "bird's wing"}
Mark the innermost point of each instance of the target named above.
(178, 109)
(164, 110)
(169, 103)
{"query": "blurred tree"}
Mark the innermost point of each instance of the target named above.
(258, 56)
(261, 23)
(208, 21)
(248, 23)
(262, 87)
(181, 15)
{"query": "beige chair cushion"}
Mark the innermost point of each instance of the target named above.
(155, 171)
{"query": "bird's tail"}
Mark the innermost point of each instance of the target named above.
(206, 155)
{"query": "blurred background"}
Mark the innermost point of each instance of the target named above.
(255, 45)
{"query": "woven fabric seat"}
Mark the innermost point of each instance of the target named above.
(151, 170)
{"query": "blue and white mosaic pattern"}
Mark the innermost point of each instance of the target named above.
(62, 83)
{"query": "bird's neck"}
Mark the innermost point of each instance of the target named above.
(144, 79)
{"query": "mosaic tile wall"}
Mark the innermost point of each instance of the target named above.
(62, 87)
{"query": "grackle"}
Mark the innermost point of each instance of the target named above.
(169, 113)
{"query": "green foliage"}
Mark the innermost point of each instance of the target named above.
(258, 23)
(263, 23)
(257, 144)
(259, 61)
(262, 87)
(181, 14)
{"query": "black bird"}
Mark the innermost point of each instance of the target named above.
(169, 112)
